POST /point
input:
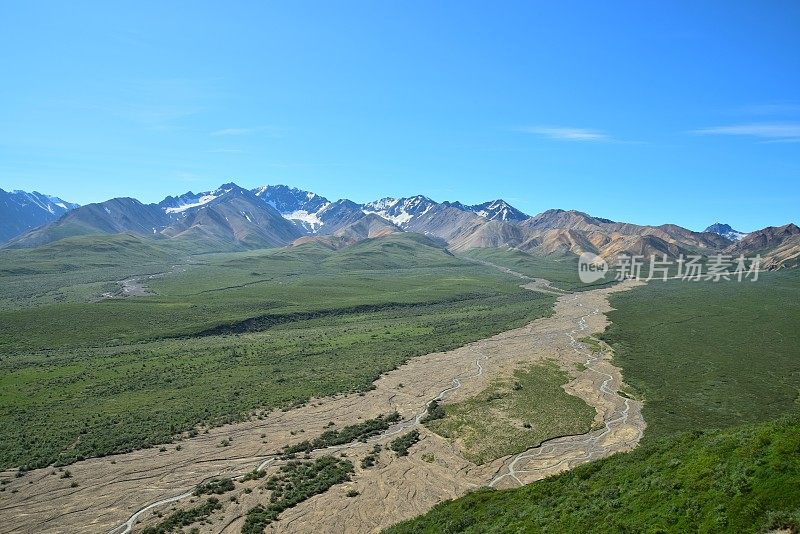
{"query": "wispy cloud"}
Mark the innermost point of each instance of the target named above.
(268, 131)
(770, 132)
(566, 134)
(233, 131)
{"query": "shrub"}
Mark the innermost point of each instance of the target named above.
(215, 486)
(294, 483)
(435, 411)
(348, 434)
(183, 518)
(403, 443)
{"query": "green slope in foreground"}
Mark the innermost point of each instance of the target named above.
(705, 356)
(745, 479)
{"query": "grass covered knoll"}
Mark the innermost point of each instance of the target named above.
(82, 378)
(708, 354)
(511, 416)
(744, 479)
(79, 269)
(221, 290)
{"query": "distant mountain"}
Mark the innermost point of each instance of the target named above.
(315, 214)
(21, 211)
(304, 208)
(400, 211)
(499, 210)
(368, 227)
(231, 217)
(227, 218)
(115, 216)
(187, 201)
(725, 231)
(778, 245)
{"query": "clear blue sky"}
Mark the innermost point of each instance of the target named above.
(675, 112)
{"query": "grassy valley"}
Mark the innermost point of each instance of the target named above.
(561, 271)
(82, 376)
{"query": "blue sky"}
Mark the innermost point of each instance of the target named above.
(675, 112)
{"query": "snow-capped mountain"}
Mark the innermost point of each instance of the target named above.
(400, 211)
(189, 200)
(499, 210)
(309, 212)
(228, 215)
(233, 218)
(304, 208)
(21, 211)
(315, 214)
(725, 231)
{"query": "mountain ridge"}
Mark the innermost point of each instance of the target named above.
(232, 217)
(21, 211)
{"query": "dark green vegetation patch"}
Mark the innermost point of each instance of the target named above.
(357, 432)
(403, 443)
(745, 479)
(215, 487)
(708, 355)
(183, 518)
(294, 483)
(435, 411)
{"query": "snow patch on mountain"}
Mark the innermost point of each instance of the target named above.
(399, 211)
(495, 210)
(725, 231)
(303, 208)
(50, 204)
(310, 221)
(205, 199)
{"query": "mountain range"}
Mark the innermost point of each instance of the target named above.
(233, 218)
(21, 211)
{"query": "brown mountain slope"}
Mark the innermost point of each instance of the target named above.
(239, 218)
(778, 245)
(115, 216)
(464, 230)
(367, 227)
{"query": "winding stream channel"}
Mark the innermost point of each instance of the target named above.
(621, 430)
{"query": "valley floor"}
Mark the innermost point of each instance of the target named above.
(100, 495)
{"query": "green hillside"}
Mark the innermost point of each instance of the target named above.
(709, 354)
(397, 251)
(744, 479)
